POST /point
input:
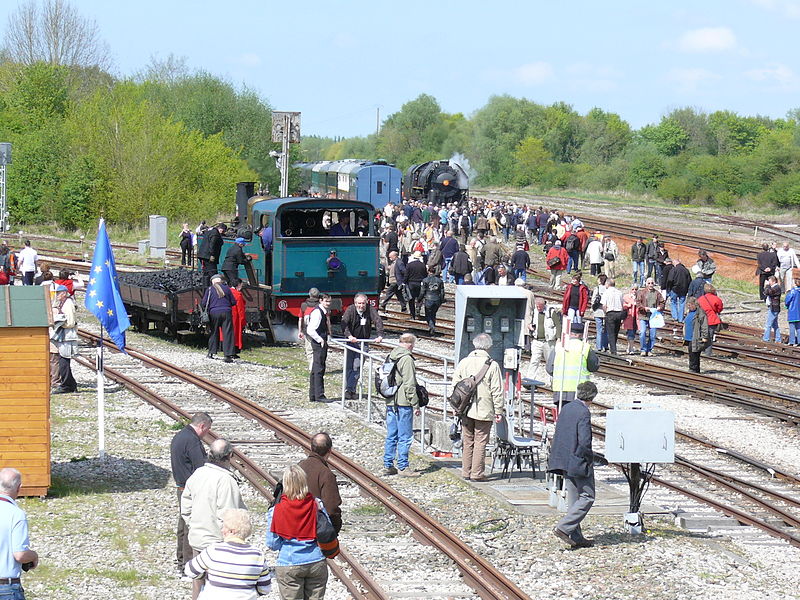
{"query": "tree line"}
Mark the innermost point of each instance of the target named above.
(689, 156)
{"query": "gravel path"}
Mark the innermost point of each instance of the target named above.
(107, 530)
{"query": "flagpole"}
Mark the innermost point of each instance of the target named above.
(101, 399)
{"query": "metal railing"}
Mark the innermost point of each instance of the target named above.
(366, 389)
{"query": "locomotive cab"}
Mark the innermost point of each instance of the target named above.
(328, 244)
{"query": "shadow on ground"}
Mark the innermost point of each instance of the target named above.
(111, 474)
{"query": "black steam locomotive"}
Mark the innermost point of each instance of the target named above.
(437, 181)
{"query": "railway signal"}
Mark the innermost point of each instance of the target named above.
(286, 130)
(5, 159)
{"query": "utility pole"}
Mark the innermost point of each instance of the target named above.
(378, 121)
(5, 159)
(286, 130)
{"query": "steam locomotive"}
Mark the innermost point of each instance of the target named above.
(437, 181)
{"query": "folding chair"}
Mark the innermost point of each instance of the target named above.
(514, 448)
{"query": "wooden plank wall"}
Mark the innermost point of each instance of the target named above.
(25, 405)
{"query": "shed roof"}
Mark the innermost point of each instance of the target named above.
(24, 306)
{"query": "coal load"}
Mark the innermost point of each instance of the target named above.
(168, 280)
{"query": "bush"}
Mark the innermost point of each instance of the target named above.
(676, 189)
(784, 190)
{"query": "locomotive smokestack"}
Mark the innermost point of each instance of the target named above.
(244, 191)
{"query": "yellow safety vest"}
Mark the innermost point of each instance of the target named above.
(569, 366)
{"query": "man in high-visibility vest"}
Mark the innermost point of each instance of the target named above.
(571, 364)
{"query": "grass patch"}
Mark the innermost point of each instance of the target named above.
(723, 284)
(369, 510)
(64, 488)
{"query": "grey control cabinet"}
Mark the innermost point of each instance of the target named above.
(640, 435)
(496, 310)
(158, 236)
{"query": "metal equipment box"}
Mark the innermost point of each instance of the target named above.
(158, 236)
(496, 310)
(640, 435)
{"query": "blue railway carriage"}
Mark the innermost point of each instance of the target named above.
(375, 182)
(307, 253)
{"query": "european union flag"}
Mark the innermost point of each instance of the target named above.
(102, 292)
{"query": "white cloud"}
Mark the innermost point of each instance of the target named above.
(779, 75)
(692, 78)
(788, 8)
(248, 59)
(708, 39)
(533, 73)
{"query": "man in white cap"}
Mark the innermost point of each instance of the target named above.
(415, 273)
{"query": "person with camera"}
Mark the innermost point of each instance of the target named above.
(15, 547)
(64, 339)
(487, 406)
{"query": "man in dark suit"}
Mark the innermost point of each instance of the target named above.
(572, 457)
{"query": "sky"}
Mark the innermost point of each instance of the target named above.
(339, 63)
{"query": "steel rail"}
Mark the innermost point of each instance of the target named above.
(487, 581)
(256, 476)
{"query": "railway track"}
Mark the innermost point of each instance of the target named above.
(712, 476)
(483, 579)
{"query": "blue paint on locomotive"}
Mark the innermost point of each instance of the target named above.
(305, 254)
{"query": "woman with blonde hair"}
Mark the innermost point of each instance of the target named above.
(301, 571)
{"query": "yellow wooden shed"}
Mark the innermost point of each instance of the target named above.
(25, 318)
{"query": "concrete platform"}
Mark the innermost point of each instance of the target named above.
(530, 496)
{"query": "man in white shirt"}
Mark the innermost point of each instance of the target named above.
(27, 263)
(787, 259)
(317, 332)
(612, 306)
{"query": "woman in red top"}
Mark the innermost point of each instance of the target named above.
(576, 299)
(237, 316)
(556, 267)
(712, 305)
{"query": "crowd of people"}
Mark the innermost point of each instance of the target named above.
(214, 524)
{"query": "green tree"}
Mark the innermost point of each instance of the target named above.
(414, 133)
(499, 128)
(646, 167)
(605, 136)
(533, 162)
(732, 133)
(669, 137)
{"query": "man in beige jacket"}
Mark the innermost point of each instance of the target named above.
(487, 406)
(210, 491)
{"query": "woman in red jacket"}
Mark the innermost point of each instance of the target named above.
(576, 299)
(556, 260)
(712, 305)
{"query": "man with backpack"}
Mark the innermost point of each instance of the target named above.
(401, 408)
(486, 404)
(572, 244)
(432, 294)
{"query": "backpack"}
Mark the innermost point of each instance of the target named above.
(386, 378)
(465, 391)
(573, 243)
